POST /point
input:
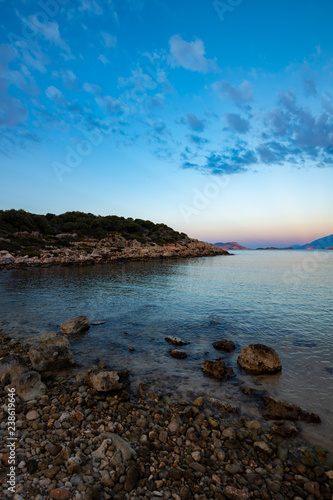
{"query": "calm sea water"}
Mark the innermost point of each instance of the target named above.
(283, 299)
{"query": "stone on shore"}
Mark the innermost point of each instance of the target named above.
(278, 410)
(11, 368)
(258, 359)
(175, 341)
(217, 369)
(52, 355)
(29, 386)
(75, 325)
(224, 345)
(177, 353)
(107, 380)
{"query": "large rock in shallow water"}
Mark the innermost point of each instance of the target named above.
(224, 345)
(53, 355)
(276, 410)
(259, 359)
(217, 369)
(107, 380)
(75, 325)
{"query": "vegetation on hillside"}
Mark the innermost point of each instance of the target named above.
(41, 230)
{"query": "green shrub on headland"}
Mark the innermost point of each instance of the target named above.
(22, 231)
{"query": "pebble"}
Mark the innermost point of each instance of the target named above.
(32, 415)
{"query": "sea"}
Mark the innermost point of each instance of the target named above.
(280, 298)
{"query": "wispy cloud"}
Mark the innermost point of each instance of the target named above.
(237, 123)
(108, 40)
(240, 96)
(189, 55)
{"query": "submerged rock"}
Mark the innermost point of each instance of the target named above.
(75, 325)
(276, 410)
(177, 353)
(223, 406)
(224, 345)
(175, 341)
(284, 428)
(258, 359)
(217, 369)
(52, 355)
(107, 380)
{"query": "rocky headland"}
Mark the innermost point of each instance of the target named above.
(75, 238)
(87, 435)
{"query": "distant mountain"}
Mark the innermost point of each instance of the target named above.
(275, 248)
(321, 243)
(231, 245)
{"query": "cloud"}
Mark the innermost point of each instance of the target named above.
(310, 88)
(103, 59)
(108, 41)
(55, 95)
(92, 88)
(238, 95)
(279, 121)
(12, 111)
(189, 55)
(197, 140)
(90, 6)
(50, 31)
(232, 161)
(237, 123)
(194, 122)
(112, 106)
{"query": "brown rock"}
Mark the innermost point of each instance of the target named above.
(106, 380)
(284, 428)
(223, 407)
(51, 472)
(235, 494)
(175, 341)
(177, 353)
(61, 494)
(259, 359)
(217, 369)
(75, 325)
(224, 345)
(278, 410)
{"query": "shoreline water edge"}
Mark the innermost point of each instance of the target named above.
(69, 433)
(117, 248)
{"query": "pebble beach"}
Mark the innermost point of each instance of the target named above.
(76, 440)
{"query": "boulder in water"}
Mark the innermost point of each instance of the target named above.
(278, 410)
(217, 369)
(258, 359)
(177, 353)
(75, 325)
(224, 345)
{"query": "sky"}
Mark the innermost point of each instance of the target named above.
(214, 117)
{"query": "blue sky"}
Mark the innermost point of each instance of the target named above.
(215, 117)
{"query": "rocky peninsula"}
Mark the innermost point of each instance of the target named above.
(89, 435)
(30, 240)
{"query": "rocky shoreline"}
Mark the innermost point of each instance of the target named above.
(89, 435)
(93, 251)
